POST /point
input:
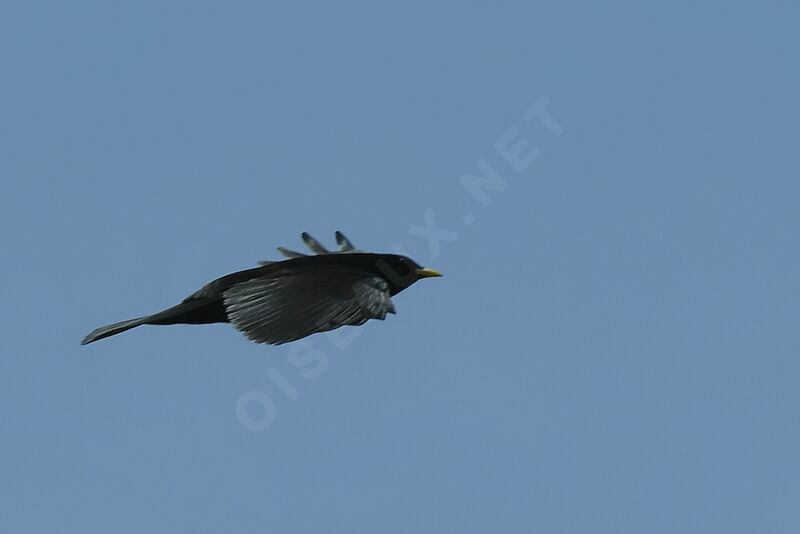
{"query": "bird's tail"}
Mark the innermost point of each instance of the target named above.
(190, 311)
(113, 329)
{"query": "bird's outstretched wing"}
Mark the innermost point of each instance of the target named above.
(345, 245)
(288, 307)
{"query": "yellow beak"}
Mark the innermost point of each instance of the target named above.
(427, 272)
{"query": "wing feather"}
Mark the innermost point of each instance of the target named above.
(291, 306)
(345, 245)
(313, 244)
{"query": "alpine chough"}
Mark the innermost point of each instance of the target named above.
(282, 301)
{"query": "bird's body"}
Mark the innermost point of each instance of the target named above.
(287, 300)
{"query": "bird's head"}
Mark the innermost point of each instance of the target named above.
(401, 271)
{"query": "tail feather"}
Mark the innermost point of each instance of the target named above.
(113, 329)
(192, 311)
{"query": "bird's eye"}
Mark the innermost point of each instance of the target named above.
(402, 268)
(399, 271)
(397, 268)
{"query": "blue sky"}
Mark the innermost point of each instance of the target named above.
(614, 347)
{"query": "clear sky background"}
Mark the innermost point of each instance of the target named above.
(614, 347)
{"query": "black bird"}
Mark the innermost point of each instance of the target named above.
(283, 301)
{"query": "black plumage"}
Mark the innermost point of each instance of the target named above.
(282, 301)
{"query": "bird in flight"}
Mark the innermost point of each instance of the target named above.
(282, 301)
